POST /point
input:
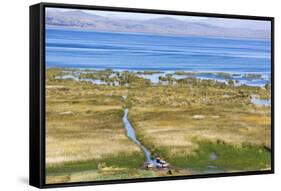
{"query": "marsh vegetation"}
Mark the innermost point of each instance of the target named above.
(199, 125)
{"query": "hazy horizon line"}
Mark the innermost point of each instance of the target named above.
(218, 22)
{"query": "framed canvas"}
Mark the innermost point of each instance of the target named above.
(123, 95)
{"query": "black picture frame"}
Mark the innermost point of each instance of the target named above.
(37, 94)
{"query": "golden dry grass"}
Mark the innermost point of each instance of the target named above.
(165, 122)
(81, 126)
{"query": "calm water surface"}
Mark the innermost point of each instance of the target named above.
(127, 51)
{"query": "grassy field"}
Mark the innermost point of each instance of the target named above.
(196, 125)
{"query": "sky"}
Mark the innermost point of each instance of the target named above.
(220, 22)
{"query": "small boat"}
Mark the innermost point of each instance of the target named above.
(161, 163)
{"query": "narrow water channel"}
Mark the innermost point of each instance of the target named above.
(132, 135)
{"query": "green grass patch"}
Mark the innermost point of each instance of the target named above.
(130, 161)
(228, 157)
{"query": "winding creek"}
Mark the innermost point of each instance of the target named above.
(132, 135)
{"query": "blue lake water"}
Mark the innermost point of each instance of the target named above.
(127, 51)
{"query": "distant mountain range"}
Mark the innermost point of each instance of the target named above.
(164, 25)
